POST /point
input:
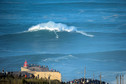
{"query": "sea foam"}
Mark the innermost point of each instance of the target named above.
(57, 27)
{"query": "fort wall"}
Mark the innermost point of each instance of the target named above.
(46, 75)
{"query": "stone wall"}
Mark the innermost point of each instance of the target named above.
(46, 75)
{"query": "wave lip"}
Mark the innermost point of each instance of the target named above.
(56, 27)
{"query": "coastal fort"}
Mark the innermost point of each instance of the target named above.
(36, 74)
(41, 72)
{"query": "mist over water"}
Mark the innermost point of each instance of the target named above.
(66, 35)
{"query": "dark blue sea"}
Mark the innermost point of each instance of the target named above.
(66, 35)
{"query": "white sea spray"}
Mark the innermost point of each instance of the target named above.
(57, 27)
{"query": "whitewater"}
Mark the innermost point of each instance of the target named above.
(57, 27)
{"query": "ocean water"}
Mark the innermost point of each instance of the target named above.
(66, 35)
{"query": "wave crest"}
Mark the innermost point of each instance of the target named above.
(57, 27)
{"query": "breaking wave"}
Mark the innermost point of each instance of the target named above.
(56, 27)
(58, 59)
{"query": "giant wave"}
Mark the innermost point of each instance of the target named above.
(56, 27)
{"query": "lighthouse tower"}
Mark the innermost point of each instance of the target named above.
(25, 64)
